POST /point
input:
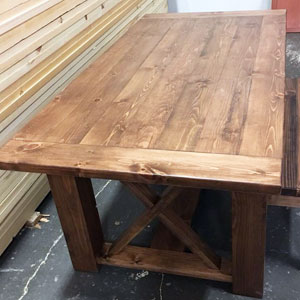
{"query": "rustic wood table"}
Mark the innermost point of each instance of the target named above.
(185, 100)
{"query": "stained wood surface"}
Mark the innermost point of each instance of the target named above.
(290, 177)
(287, 201)
(189, 169)
(144, 219)
(165, 261)
(226, 98)
(177, 226)
(184, 206)
(248, 243)
(76, 207)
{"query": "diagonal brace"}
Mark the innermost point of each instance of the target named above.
(144, 219)
(177, 226)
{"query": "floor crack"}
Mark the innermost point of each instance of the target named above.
(161, 285)
(25, 290)
(103, 188)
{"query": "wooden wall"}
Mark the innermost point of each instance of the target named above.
(44, 44)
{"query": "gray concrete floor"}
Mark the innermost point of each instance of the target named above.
(37, 266)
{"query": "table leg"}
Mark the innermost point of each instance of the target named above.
(76, 206)
(248, 243)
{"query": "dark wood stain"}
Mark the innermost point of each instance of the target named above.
(289, 172)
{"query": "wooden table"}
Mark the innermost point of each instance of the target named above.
(184, 100)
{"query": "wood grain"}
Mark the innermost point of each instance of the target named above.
(16, 64)
(219, 117)
(8, 4)
(289, 174)
(248, 243)
(191, 169)
(297, 162)
(76, 206)
(23, 12)
(214, 103)
(21, 212)
(32, 42)
(263, 135)
(165, 261)
(11, 37)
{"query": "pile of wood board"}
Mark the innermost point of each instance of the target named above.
(44, 44)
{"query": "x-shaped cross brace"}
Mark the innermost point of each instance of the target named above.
(158, 206)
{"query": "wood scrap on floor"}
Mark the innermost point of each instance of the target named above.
(35, 219)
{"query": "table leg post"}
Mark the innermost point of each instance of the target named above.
(248, 243)
(76, 206)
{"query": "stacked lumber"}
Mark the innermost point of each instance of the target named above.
(44, 44)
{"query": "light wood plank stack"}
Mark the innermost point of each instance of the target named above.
(44, 44)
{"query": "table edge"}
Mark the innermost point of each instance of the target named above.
(191, 169)
(250, 13)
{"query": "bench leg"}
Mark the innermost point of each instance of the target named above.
(248, 243)
(76, 206)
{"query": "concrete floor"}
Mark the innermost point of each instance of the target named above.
(36, 265)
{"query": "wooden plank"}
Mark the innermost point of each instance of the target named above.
(16, 194)
(15, 66)
(297, 162)
(143, 220)
(192, 169)
(222, 93)
(225, 14)
(12, 37)
(184, 206)
(22, 211)
(112, 84)
(248, 243)
(33, 42)
(287, 201)
(289, 173)
(8, 4)
(172, 262)
(264, 136)
(162, 7)
(24, 12)
(22, 89)
(160, 48)
(8, 181)
(135, 123)
(76, 206)
(26, 64)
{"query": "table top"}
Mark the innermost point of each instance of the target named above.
(186, 99)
